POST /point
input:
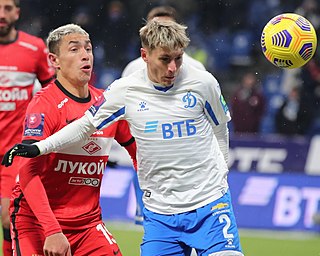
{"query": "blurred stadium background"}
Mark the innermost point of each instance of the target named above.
(274, 177)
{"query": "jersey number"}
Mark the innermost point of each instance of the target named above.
(106, 233)
(225, 218)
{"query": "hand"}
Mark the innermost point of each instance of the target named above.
(57, 245)
(24, 150)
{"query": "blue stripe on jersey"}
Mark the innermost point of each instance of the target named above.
(211, 113)
(115, 115)
(151, 126)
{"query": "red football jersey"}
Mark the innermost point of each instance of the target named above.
(21, 62)
(72, 177)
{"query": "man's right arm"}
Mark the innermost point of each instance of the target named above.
(126, 140)
(78, 130)
(36, 196)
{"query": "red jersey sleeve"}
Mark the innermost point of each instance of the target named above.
(125, 139)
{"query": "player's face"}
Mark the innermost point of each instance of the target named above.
(9, 14)
(163, 64)
(74, 63)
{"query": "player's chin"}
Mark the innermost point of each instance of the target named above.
(85, 74)
(4, 30)
(84, 78)
(168, 81)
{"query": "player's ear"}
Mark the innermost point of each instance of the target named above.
(54, 60)
(144, 54)
(18, 13)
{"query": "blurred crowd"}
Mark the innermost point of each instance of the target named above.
(225, 37)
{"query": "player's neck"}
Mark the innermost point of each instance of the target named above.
(11, 37)
(79, 90)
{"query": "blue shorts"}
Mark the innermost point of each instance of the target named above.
(210, 230)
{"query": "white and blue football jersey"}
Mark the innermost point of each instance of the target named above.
(180, 164)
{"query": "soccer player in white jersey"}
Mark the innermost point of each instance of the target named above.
(174, 111)
(164, 12)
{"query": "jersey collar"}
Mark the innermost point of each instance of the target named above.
(162, 88)
(75, 98)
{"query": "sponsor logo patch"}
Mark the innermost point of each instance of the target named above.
(224, 104)
(91, 147)
(219, 206)
(93, 182)
(190, 100)
(95, 107)
(34, 124)
(143, 106)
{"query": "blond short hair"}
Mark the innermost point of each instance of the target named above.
(55, 36)
(164, 34)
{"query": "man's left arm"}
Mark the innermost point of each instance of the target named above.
(222, 134)
(218, 113)
(126, 140)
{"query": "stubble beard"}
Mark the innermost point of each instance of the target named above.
(4, 31)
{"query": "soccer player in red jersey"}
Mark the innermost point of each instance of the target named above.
(23, 58)
(55, 206)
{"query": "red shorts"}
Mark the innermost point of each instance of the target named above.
(28, 239)
(8, 178)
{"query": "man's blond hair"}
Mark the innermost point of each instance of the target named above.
(165, 34)
(56, 35)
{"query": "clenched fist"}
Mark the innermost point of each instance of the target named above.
(24, 150)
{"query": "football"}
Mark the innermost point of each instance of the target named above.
(288, 41)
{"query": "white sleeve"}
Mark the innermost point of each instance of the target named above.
(78, 130)
(222, 134)
(215, 106)
(133, 66)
